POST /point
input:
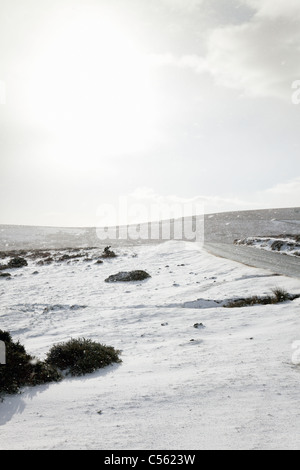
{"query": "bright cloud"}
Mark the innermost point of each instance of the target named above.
(259, 57)
(187, 206)
(186, 5)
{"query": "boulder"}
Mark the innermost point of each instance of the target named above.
(200, 326)
(130, 276)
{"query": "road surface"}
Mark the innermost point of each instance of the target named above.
(275, 262)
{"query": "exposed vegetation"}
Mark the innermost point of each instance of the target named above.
(22, 369)
(279, 295)
(17, 263)
(21, 258)
(75, 357)
(108, 253)
(81, 356)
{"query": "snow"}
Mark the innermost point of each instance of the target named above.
(230, 384)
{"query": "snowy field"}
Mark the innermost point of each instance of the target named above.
(233, 383)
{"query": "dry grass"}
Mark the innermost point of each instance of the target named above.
(279, 296)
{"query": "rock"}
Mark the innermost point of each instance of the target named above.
(17, 263)
(6, 275)
(99, 261)
(128, 276)
(199, 325)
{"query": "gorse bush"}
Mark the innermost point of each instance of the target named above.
(81, 356)
(76, 357)
(22, 369)
(281, 295)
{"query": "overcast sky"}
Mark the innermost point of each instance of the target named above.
(151, 100)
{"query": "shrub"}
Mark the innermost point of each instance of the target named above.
(108, 253)
(22, 369)
(17, 263)
(277, 245)
(81, 356)
(279, 295)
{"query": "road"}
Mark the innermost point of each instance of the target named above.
(275, 262)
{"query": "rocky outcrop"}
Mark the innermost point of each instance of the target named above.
(130, 276)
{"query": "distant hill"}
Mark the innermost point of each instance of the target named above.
(225, 227)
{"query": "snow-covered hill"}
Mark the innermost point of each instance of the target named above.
(230, 383)
(214, 228)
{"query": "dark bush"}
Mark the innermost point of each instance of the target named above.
(277, 245)
(81, 356)
(279, 295)
(108, 253)
(17, 263)
(22, 369)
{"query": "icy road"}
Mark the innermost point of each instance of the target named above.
(277, 263)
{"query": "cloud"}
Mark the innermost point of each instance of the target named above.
(274, 8)
(173, 206)
(289, 189)
(194, 62)
(259, 57)
(255, 59)
(285, 194)
(282, 195)
(186, 5)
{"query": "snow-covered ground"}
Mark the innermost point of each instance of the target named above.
(233, 383)
(288, 245)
